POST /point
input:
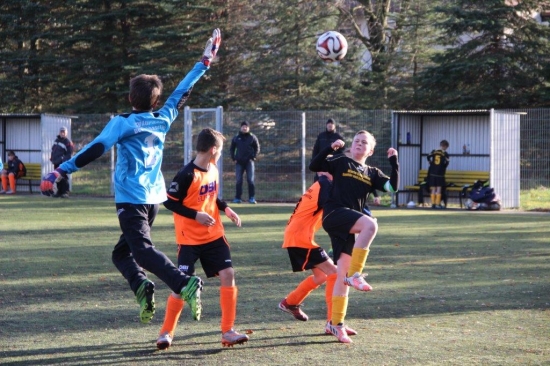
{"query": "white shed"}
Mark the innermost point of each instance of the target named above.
(31, 137)
(479, 140)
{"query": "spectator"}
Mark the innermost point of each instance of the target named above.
(62, 150)
(244, 150)
(15, 170)
(438, 160)
(324, 140)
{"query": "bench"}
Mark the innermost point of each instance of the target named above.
(455, 180)
(34, 174)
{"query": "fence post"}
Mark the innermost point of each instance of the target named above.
(303, 152)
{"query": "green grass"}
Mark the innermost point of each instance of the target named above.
(451, 287)
(535, 199)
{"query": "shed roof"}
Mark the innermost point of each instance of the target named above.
(19, 115)
(447, 112)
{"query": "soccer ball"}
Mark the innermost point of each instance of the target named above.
(332, 46)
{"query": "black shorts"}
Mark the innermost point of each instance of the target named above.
(303, 259)
(436, 181)
(214, 257)
(338, 223)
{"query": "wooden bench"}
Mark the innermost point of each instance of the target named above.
(456, 180)
(34, 174)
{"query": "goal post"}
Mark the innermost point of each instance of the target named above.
(194, 121)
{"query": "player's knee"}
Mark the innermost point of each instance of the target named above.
(369, 225)
(227, 275)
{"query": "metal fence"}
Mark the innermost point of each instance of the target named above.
(279, 168)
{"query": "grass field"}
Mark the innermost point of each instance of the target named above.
(451, 287)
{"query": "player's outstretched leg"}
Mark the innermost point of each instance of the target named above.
(145, 297)
(191, 294)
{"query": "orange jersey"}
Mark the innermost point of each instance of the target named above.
(195, 190)
(305, 220)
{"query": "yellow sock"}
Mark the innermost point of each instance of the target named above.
(339, 309)
(173, 311)
(358, 260)
(432, 197)
(228, 304)
(329, 288)
(305, 287)
(438, 199)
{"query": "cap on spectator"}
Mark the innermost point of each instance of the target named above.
(330, 120)
(63, 129)
(244, 123)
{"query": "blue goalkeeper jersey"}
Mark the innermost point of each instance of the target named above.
(139, 138)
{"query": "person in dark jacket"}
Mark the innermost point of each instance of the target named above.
(325, 139)
(15, 169)
(62, 150)
(244, 150)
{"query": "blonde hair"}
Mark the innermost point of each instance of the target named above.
(370, 138)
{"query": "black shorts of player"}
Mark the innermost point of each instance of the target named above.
(302, 259)
(338, 223)
(436, 181)
(214, 257)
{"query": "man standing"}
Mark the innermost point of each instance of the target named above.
(244, 149)
(62, 150)
(325, 139)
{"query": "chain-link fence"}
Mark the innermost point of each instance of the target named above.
(279, 168)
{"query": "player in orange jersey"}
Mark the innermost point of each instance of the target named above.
(305, 253)
(193, 198)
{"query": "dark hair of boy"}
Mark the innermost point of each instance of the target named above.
(208, 138)
(145, 91)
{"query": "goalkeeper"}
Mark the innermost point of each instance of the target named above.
(139, 184)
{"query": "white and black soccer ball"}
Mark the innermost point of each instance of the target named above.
(332, 46)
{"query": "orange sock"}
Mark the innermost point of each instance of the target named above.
(174, 307)
(305, 287)
(329, 287)
(4, 182)
(228, 304)
(12, 182)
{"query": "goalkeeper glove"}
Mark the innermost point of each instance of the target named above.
(212, 47)
(48, 186)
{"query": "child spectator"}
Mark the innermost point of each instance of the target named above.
(15, 170)
(438, 160)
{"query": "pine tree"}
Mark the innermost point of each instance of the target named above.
(496, 56)
(25, 56)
